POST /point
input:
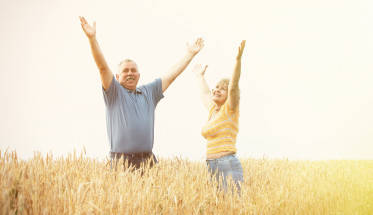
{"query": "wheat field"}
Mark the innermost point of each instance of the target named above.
(77, 184)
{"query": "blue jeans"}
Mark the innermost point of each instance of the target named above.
(225, 167)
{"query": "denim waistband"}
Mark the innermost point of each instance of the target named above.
(226, 157)
(133, 155)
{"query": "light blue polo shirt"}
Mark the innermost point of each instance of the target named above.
(130, 116)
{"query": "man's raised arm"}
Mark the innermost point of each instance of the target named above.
(105, 72)
(178, 68)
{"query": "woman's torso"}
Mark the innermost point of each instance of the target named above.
(221, 131)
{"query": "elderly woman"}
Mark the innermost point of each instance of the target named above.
(221, 128)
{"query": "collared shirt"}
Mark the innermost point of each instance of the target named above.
(130, 116)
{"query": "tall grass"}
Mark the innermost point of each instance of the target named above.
(77, 184)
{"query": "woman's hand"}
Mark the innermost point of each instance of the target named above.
(240, 50)
(199, 70)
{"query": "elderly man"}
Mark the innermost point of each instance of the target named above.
(129, 108)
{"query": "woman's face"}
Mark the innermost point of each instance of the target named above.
(220, 94)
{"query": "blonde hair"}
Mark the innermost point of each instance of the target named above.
(225, 83)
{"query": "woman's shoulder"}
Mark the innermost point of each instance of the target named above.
(227, 109)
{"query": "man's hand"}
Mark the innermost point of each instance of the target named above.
(195, 47)
(89, 30)
(105, 72)
(199, 70)
(240, 50)
(180, 66)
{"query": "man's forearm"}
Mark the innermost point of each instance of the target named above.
(105, 73)
(97, 54)
(176, 70)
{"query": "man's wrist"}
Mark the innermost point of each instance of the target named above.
(190, 54)
(92, 39)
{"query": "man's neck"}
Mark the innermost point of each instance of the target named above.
(133, 89)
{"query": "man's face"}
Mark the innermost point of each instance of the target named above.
(128, 75)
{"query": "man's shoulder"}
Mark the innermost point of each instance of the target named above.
(151, 84)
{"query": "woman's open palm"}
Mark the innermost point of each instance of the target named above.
(199, 70)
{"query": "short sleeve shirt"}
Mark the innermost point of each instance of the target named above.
(221, 132)
(130, 116)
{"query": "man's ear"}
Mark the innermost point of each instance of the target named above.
(117, 76)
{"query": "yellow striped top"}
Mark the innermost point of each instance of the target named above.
(221, 132)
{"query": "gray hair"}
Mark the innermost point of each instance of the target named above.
(126, 60)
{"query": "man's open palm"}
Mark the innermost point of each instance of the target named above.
(89, 30)
(196, 46)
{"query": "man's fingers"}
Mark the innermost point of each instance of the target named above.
(94, 24)
(83, 20)
(199, 41)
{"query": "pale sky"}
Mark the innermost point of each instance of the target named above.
(306, 83)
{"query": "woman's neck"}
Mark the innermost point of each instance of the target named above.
(217, 107)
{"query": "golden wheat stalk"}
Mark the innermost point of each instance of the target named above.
(81, 185)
